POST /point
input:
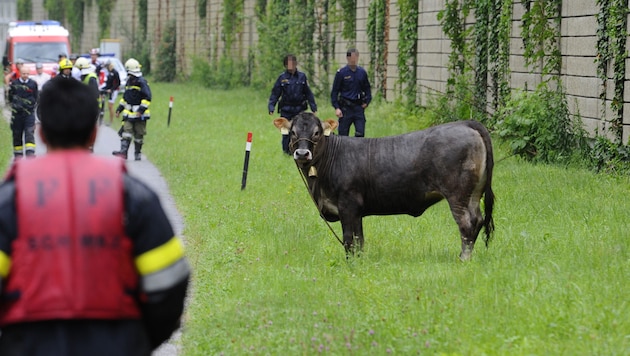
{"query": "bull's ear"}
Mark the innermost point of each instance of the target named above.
(329, 126)
(283, 125)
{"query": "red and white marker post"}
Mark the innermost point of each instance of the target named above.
(170, 108)
(248, 148)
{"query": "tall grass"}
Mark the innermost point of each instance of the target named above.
(271, 279)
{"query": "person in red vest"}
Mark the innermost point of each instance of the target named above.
(89, 264)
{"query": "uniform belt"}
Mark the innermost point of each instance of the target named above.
(348, 102)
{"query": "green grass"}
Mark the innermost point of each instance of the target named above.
(271, 279)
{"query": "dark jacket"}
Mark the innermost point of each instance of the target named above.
(23, 97)
(113, 80)
(293, 92)
(350, 87)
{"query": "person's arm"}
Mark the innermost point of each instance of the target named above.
(8, 228)
(336, 88)
(159, 259)
(309, 95)
(146, 100)
(366, 88)
(276, 92)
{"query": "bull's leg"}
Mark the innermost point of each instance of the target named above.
(352, 226)
(468, 217)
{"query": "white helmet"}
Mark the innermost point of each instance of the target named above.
(82, 63)
(133, 67)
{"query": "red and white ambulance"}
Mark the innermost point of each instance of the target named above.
(35, 42)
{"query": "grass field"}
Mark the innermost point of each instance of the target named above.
(271, 279)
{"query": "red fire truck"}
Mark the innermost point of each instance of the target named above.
(35, 42)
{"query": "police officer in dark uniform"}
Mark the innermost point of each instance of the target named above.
(293, 92)
(23, 94)
(350, 95)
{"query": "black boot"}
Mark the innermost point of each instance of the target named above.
(138, 150)
(124, 147)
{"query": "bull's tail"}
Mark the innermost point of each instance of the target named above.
(488, 194)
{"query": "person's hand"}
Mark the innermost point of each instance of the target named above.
(271, 113)
(338, 113)
(117, 113)
(315, 113)
(364, 105)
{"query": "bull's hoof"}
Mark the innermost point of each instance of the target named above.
(465, 255)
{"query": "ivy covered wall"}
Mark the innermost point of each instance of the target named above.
(407, 46)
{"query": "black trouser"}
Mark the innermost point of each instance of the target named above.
(23, 128)
(289, 115)
(352, 114)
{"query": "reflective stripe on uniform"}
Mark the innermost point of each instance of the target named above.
(5, 264)
(166, 277)
(160, 257)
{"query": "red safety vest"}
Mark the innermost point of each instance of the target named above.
(71, 258)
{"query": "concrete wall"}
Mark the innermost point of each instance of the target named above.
(200, 37)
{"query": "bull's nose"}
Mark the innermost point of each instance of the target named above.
(302, 154)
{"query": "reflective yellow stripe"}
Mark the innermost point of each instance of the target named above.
(160, 257)
(5, 264)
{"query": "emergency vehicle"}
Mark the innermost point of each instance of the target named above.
(33, 42)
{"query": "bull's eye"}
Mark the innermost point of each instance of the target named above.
(316, 135)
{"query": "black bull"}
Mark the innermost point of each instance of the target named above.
(350, 177)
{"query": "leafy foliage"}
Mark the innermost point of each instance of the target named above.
(499, 52)
(541, 34)
(539, 128)
(296, 25)
(408, 49)
(104, 16)
(226, 74)
(166, 60)
(612, 33)
(24, 9)
(453, 20)
(232, 22)
(55, 10)
(377, 45)
(349, 18)
(610, 157)
(202, 8)
(481, 45)
(74, 10)
(140, 48)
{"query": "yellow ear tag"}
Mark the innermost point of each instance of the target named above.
(327, 132)
(284, 131)
(312, 172)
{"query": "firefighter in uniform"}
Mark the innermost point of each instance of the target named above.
(134, 106)
(88, 75)
(65, 68)
(23, 97)
(89, 264)
(292, 94)
(350, 95)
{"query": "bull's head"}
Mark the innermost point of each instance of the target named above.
(305, 132)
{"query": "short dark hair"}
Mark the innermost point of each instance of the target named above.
(350, 51)
(289, 57)
(68, 111)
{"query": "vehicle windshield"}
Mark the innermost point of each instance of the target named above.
(33, 52)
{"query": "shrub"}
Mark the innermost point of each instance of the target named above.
(166, 60)
(609, 157)
(538, 127)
